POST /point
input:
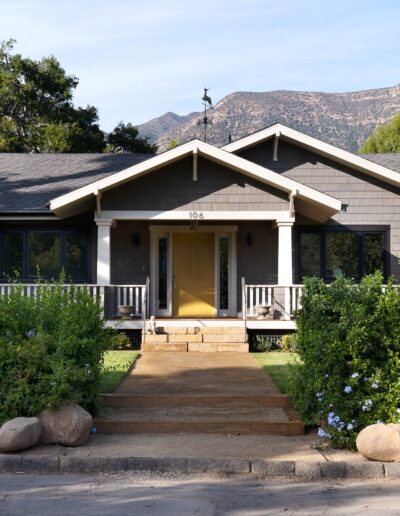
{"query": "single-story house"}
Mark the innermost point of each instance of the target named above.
(200, 232)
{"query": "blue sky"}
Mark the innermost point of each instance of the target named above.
(139, 59)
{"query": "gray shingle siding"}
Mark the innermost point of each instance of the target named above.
(173, 188)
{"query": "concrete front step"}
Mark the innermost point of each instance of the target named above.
(206, 347)
(225, 420)
(182, 400)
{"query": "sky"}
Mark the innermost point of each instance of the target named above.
(137, 60)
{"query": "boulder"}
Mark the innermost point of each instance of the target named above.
(69, 425)
(379, 442)
(19, 434)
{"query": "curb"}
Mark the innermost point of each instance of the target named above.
(262, 468)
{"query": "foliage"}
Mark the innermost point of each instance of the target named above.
(279, 366)
(349, 340)
(116, 365)
(51, 350)
(125, 138)
(385, 139)
(36, 109)
(288, 342)
(120, 341)
(172, 144)
(263, 343)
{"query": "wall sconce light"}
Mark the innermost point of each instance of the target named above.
(249, 239)
(344, 208)
(136, 239)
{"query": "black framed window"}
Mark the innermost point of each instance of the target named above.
(26, 252)
(329, 252)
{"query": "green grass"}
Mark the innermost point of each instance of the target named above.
(116, 364)
(276, 364)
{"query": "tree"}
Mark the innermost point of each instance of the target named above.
(125, 138)
(172, 144)
(36, 109)
(385, 139)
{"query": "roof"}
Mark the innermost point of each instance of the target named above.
(29, 181)
(389, 160)
(370, 166)
(311, 201)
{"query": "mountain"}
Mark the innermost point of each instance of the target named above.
(342, 119)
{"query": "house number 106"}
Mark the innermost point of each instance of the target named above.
(196, 215)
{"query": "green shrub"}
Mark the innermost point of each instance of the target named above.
(288, 342)
(51, 350)
(349, 341)
(263, 343)
(120, 341)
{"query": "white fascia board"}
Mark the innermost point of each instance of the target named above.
(268, 176)
(209, 151)
(189, 216)
(324, 149)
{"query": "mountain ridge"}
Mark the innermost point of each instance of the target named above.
(343, 119)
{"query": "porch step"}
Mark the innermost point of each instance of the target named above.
(197, 339)
(182, 400)
(226, 420)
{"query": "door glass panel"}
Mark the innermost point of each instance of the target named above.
(342, 253)
(310, 250)
(224, 273)
(44, 254)
(13, 254)
(162, 273)
(373, 252)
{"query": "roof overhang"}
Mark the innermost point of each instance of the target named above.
(308, 201)
(323, 149)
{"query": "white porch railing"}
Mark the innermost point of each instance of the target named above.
(110, 296)
(286, 299)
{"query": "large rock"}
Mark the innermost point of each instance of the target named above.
(379, 442)
(69, 425)
(19, 434)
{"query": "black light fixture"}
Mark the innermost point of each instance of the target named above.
(249, 239)
(136, 239)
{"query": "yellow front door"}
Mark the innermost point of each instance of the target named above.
(193, 274)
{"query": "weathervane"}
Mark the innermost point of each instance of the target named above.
(207, 103)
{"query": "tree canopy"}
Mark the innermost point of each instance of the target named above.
(385, 139)
(125, 138)
(36, 109)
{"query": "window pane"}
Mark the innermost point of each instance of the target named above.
(342, 252)
(310, 252)
(75, 256)
(44, 250)
(13, 254)
(162, 273)
(224, 273)
(373, 252)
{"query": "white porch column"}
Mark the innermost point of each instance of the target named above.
(103, 252)
(285, 267)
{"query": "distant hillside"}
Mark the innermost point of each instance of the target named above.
(343, 119)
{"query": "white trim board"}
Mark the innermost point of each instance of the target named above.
(188, 216)
(319, 147)
(323, 206)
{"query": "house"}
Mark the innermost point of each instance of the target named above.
(200, 233)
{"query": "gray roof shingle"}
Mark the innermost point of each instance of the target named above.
(29, 181)
(389, 160)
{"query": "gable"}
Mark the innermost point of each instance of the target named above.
(217, 188)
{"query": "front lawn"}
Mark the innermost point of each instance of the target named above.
(116, 365)
(276, 364)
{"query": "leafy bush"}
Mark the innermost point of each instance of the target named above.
(349, 340)
(263, 343)
(120, 341)
(288, 342)
(51, 350)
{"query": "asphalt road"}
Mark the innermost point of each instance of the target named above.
(141, 495)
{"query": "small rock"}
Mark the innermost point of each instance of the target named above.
(379, 442)
(19, 434)
(69, 425)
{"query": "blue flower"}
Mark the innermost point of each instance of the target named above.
(367, 405)
(348, 389)
(319, 396)
(354, 375)
(375, 385)
(322, 433)
(30, 334)
(350, 426)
